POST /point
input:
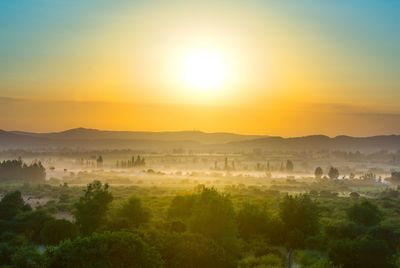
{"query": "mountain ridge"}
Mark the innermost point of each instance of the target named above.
(94, 138)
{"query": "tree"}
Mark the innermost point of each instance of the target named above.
(109, 249)
(20, 171)
(56, 231)
(365, 213)
(11, 204)
(343, 252)
(208, 213)
(191, 251)
(213, 216)
(333, 173)
(99, 161)
(27, 257)
(300, 218)
(373, 253)
(9, 244)
(181, 207)
(6, 251)
(361, 252)
(31, 223)
(369, 176)
(90, 211)
(130, 215)
(318, 173)
(289, 166)
(252, 220)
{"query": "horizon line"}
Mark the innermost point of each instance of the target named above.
(196, 130)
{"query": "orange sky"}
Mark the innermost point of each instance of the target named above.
(273, 68)
(292, 120)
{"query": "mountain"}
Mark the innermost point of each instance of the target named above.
(99, 139)
(81, 138)
(321, 142)
(94, 134)
(13, 140)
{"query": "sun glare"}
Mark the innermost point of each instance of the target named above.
(204, 70)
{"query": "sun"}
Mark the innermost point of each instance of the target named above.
(204, 70)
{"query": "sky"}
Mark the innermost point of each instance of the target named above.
(287, 68)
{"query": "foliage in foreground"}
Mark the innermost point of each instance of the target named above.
(109, 249)
(203, 229)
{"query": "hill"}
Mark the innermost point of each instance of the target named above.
(98, 139)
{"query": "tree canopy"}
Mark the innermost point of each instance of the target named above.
(104, 250)
(365, 213)
(90, 211)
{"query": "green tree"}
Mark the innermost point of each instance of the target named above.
(181, 207)
(362, 252)
(300, 218)
(318, 172)
(90, 211)
(385, 234)
(56, 231)
(31, 223)
(11, 204)
(333, 173)
(27, 257)
(9, 243)
(365, 213)
(190, 250)
(344, 253)
(252, 220)
(213, 216)
(373, 253)
(130, 215)
(6, 251)
(105, 250)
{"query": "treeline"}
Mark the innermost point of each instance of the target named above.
(138, 162)
(17, 170)
(268, 167)
(91, 162)
(288, 167)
